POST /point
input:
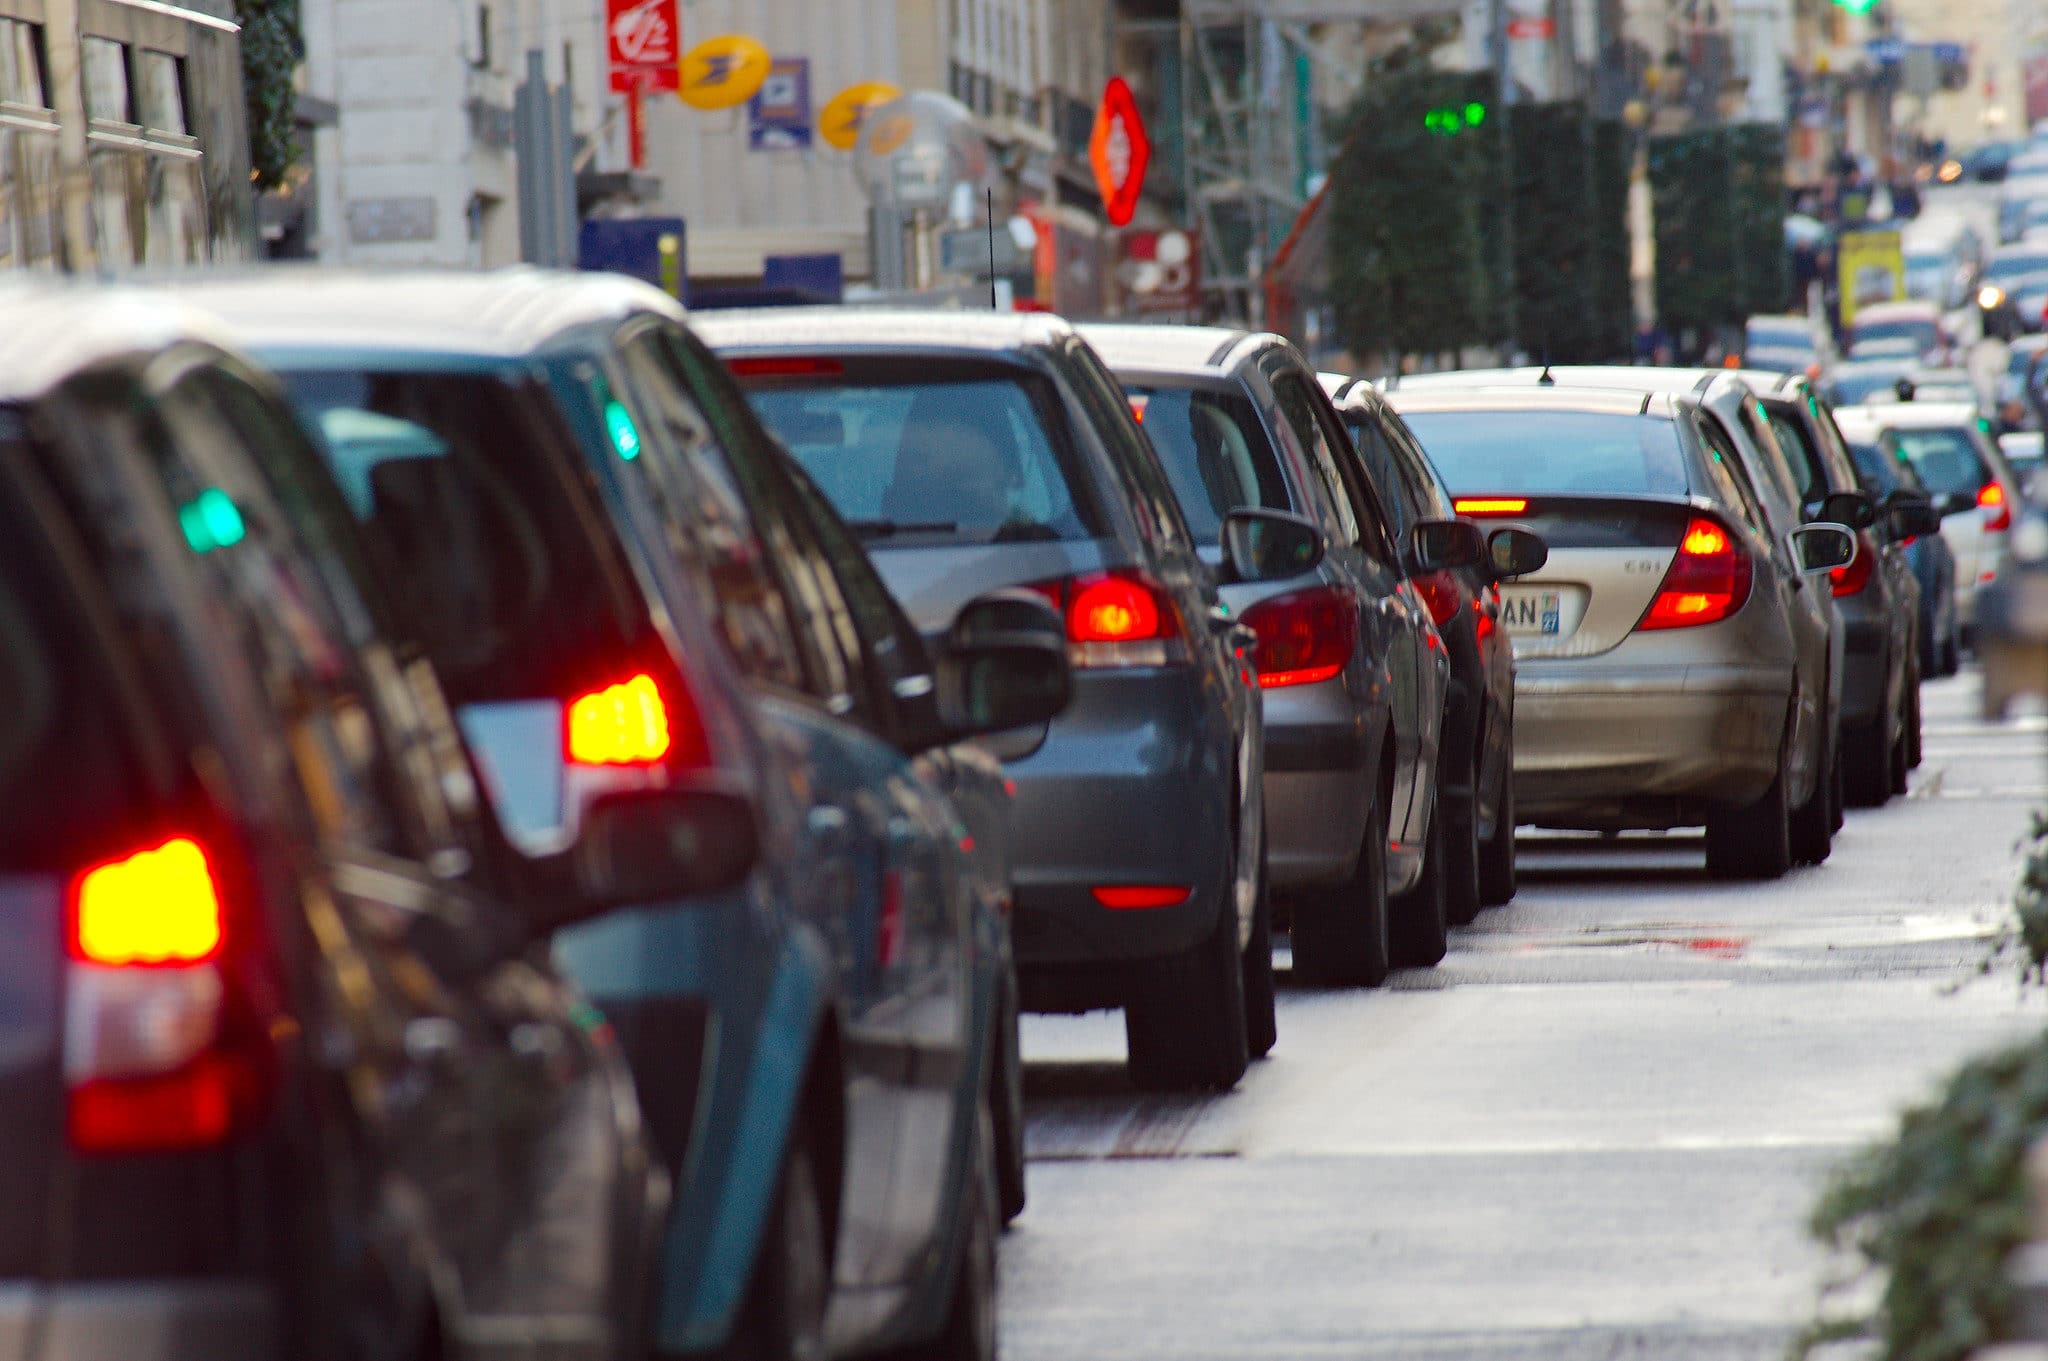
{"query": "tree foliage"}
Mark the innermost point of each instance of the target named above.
(272, 46)
(1719, 200)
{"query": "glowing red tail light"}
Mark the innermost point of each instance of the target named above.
(784, 366)
(1117, 618)
(149, 1063)
(621, 725)
(1440, 591)
(1141, 897)
(1304, 636)
(158, 906)
(1708, 579)
(1991, 500)
(1852, 576)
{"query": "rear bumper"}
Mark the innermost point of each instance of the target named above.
(1590, 740)
(138, 1321)
(1132, 786)
(1318, 793)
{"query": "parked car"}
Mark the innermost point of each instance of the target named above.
(1876, 593)
(1351, 673)
(1794, 344)
(1477, 787)
(1915, 321)
(1670, 673)
(1972, 488)
(2024, 455)
(1867, 380)
(980, 452)
(1890, 478)
(557, 507)
(286, 1074)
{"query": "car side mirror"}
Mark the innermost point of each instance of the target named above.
(1912, 515)
(1515, 552)
(1852, 508)
(1002, 665)
(1822, 548)
(1269, 545)
(1444, 545)
(1956, 503)
(651, 846)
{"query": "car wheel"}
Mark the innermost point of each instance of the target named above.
(1913, 751)
(1340, 931)
(1261, 1024)
(1866, 765)
(1952, 644)
(1461, 851)
(783, 1316)
(1837, 816)
(1006, 1107)
(1813, 828)
(1184, 1024)
(1753, 842)
(969, 1333)
(1420, 925)
(1497, 879)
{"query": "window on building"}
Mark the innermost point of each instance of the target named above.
(160, 89)
(106, 81)
(21, 64)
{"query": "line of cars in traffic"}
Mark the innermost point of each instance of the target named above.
(532, 818)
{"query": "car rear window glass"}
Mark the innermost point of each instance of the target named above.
(1880, 471)
(1805, 457)
(1923, 334)
(1216, 454)
(1945, 459)
(473, 499)
(1848, 387)
(934, 451)
(64, 772)
(1561, 452)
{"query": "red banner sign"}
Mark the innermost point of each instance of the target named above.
(644, 39)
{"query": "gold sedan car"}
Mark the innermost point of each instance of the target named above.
(1671, 669)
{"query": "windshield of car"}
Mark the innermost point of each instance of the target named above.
(1552, 451)
(933, 450)
(1848, 386)
(1215, 452)
(2010, 265)
(1946, 460)
(1922, 333)
(471, 491)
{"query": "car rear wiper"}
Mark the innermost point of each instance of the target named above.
(885, 529)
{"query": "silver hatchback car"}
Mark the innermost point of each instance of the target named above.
(1670, 672)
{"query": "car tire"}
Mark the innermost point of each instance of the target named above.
(1753, 842)
(1006, 1107)
(783, 1315)
(1184, 1026)
(1837, 803)
(1420, 923)
(1813, 828)
(969, 1332)
(1952, 645)
(1340, 932)
(1461, 852)
(1914, 754)
(1498, 882)
(1261, 1020)
(1867, 765)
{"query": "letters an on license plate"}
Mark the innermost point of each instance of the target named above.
(1533, 612)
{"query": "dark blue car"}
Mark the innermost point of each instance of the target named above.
(827, 1057)
(1883, 472)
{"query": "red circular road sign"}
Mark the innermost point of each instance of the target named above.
(1119, 150)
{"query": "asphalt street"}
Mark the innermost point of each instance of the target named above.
(1594, 1131)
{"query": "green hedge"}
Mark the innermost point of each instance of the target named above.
(272, 47)
(1718, 196)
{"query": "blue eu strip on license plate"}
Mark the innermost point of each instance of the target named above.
(1534, 612)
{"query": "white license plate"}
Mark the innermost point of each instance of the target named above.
(1532, 614)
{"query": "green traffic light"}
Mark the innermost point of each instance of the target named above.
(1475, 114)
(625, 436)
(1857, 6)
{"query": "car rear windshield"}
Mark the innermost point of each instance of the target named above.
(932, 451)
(1215, 452)
(1850, 386)
(1559, 452)
(1945, 459)
(2015, 265)
(475, 499)
(1921, 333)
